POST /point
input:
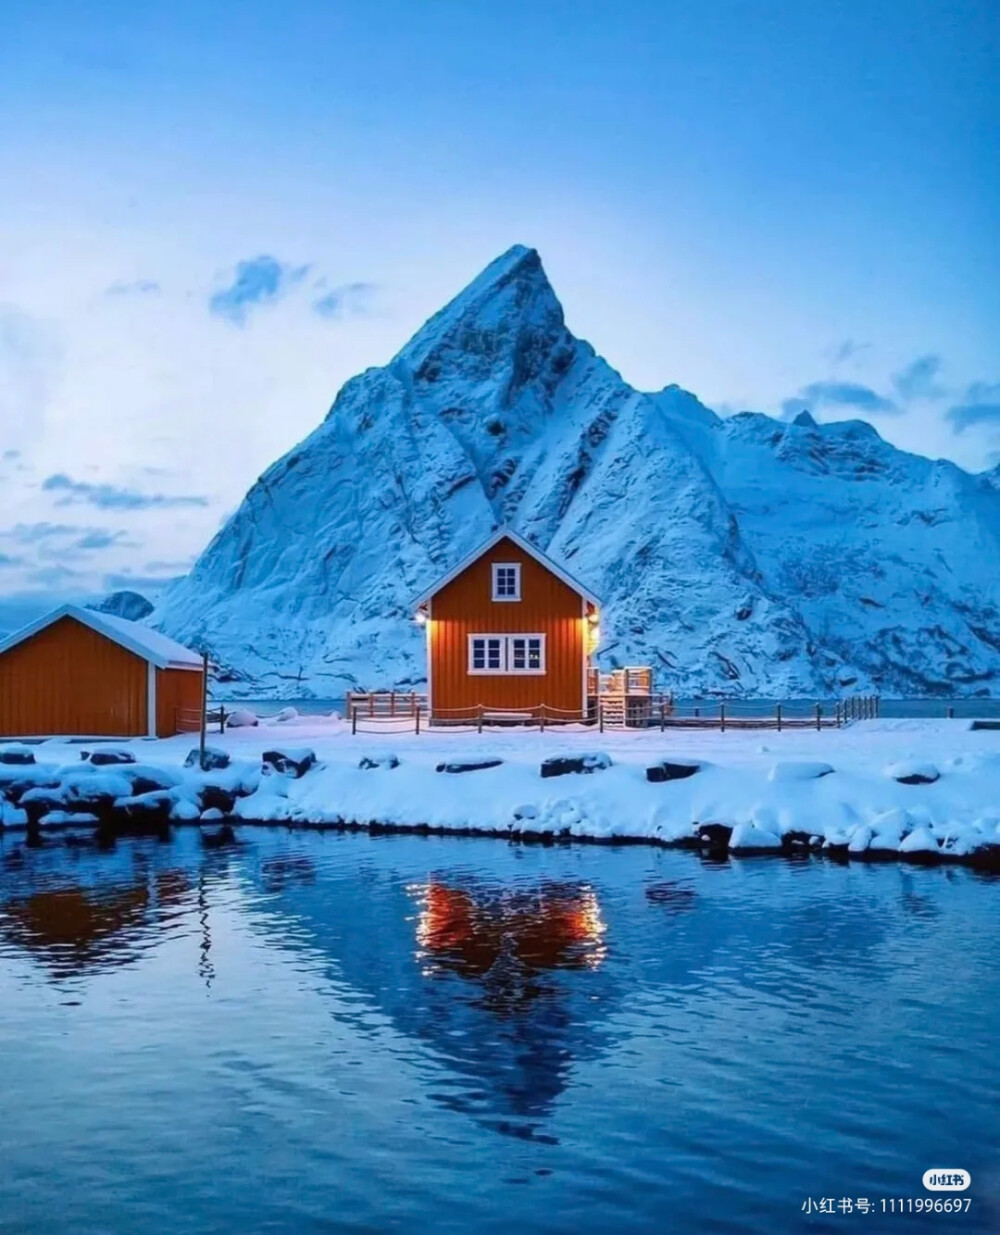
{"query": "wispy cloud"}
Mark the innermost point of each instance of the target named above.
(257, 281)
(7, 560)
(111, 497)
(847, 349)
(833, 394)
(138, 287)
(127, 581)
(964, 415)
(919, 379)
(979, 406)
(346, 300)
(98, 539)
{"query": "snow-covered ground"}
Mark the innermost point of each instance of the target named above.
(846, 787)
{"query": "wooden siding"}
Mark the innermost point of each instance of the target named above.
(465, 607)
(69, 679)
(178, 700)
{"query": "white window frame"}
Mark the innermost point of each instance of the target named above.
(506, 655)
(495, 568)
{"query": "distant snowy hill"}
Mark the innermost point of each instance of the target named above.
(125, 604)
(744, 555)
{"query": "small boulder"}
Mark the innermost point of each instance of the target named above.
(294, 763)
(215, 759)
(919, 841)
(526, 812)
(563, 765)
(715, 835)
(749, 838)
(17, 755)
(285, 715)
(666, 770)
(795, 770)
(214, 797)
(110, 755)
(241, 718)
(369, 762)
(796, 841)
(468, 765)
(910, 772)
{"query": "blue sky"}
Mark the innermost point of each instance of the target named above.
(213, 215)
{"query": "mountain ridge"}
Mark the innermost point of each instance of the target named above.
(740, 555)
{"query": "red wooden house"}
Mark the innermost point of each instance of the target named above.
(80, 672)
(510, 634)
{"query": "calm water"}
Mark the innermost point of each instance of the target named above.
(327, 1033)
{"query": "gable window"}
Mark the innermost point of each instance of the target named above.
(507, 654)
(506, 581)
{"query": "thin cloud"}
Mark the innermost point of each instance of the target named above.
(980, 406)
(833, 394)
(847, 350)
(98, 539)
(7, 560)
(919, 379)
(349, 299)
(258, 281)
(966, 415)
(125, 581)
(111, 497)
(138, 287)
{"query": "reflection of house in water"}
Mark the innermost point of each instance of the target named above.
(72, 928)
(506, 986)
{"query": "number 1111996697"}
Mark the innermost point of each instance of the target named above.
(887, 1205)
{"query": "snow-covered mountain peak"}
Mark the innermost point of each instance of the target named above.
(743, 555)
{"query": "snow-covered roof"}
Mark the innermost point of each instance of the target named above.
(150, 645)
(505, 533)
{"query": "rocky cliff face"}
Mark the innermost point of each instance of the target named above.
(743, 555)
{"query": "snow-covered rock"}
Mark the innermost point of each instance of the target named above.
(791, 770)
(241, 718)
(739, 554)
(920, 840)
(912, 772)
(747, 837)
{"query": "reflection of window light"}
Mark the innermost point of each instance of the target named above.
(421, 618)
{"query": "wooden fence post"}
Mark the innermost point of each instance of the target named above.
(663, 716)
(392, 703)
(204, 710)
(951, 713)
(722, 718)
(416, 720)
(819, 716)
(600, 716)
(354, 719)
(479, 725)
(777, 713)
(541, 715)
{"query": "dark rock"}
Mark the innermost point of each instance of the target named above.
(145, 810)
(222, 838)
(715, 835)
(14, 790)
(563, 765)
(294, 763)
(146, 782)
(985, 724)
(665, 770)
(384, 761)
(214, 797)
(38, 802)
(469, 765)
(110, 756)
(915, 778)
(16, 755)
(215, 759)
(798, 840)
